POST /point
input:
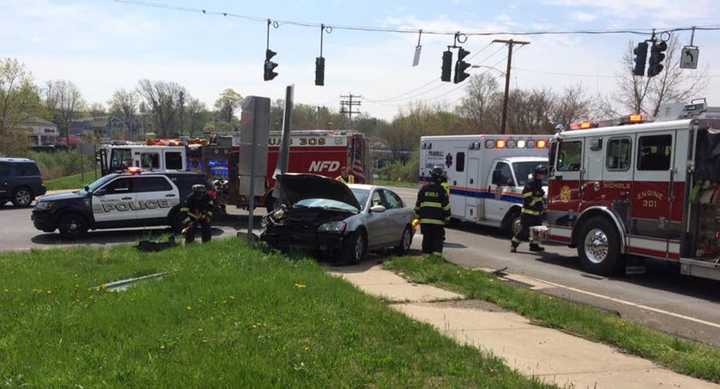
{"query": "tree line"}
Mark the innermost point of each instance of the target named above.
(168, 109)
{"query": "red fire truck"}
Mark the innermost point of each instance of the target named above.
(627, 189)
(318, 151)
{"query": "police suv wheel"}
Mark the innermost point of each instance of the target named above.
(598, 245)
(22, 198)
(72, 226)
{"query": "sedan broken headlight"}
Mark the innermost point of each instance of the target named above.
(333, 227)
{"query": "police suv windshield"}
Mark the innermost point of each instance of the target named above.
(99, 182)
(523, 171)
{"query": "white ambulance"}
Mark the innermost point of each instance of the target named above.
(486, 173)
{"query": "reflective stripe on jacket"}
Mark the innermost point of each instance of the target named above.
(533, 198)
(433, 205)
(350, 179)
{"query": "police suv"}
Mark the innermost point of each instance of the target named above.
(118, 201)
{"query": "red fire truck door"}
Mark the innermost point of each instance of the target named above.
(652, 197)
(566, 183)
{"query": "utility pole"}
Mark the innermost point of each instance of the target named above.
(510, 43)
(347, 104)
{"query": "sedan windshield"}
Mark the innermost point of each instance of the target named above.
(361, 195)
(523, 170)
(100, 182)
(325, 204)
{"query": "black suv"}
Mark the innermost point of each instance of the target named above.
(118, 201)
(20, 181)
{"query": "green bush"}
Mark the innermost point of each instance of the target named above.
(401, 171)
(61, 163)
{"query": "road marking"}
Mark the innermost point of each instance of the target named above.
(632, 304)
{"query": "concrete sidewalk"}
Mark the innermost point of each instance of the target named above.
(551, 355)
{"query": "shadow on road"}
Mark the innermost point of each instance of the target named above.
(659, 275)
(110, 236)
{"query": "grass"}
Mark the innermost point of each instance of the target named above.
(229, 316)
(686, 357)
(401, 184)
(74, 181)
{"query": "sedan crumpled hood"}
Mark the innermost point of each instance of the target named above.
(299, 187)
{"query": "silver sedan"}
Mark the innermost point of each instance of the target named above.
(344, 221)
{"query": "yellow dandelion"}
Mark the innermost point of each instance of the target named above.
(189, 308)
(299, 285)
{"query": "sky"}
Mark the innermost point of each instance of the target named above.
(104, 45)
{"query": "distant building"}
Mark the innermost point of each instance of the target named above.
(43, 133)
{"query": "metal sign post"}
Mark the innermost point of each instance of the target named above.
(254, 131)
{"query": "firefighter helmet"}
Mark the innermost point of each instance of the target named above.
(437, 173)
(540, 169)
(199, 188)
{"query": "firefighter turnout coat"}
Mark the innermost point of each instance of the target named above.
(433, 205)
(533, 199)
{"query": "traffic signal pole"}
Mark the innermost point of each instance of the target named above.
(510, 43)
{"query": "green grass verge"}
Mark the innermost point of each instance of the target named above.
(687, 357)
(74, 181)
(229, 316)
(401, 184)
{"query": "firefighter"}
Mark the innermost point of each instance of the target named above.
(198, 208)
(433, 211)
(533, 210)
(345, 176)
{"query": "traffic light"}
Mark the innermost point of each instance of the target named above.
(461, 66)
(269, 66)
(640, 58)
(446, 66)
(320, 71)
(657, 55)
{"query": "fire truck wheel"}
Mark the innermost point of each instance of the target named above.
(598, 245)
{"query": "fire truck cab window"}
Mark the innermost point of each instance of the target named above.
(120, 159)
(150, 161)
(654, 152)
(569, 156)
(619, 154)
(173, 160)
(460, 162)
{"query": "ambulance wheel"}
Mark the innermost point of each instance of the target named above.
(598, 245)
(72, 225)
(511, 223)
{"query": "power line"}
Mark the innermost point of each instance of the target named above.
(433, 81)
(278, 22)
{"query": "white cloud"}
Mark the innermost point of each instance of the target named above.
(660, 11)
(583, 16)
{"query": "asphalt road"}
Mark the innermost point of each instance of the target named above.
(662, 298)
(18, 233)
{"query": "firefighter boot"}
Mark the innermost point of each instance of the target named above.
(514, 243)
(536, 248)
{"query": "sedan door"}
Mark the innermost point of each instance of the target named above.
(376, 222)
(397, 216)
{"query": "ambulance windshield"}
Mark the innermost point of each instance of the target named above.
(524, 170)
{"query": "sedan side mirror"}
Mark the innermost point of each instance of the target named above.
(377, 209)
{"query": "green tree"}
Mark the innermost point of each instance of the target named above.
(64, 103)
(19, 101)
(227, 103)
